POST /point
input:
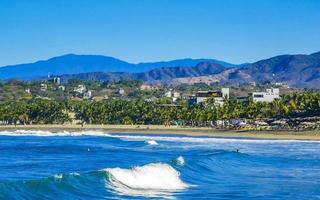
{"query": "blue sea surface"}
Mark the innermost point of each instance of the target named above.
(96, 165)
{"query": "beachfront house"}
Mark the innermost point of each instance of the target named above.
(202, 96)
(268, 96)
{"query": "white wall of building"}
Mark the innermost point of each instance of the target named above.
(268, 96)
(218, 100)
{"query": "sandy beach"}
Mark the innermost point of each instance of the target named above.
(188, 131)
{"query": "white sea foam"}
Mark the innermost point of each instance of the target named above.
(58, 176)
(149, 138)
(48, 133)
(189, 139)
(180, 160)
(151, 142)
(148, 180)
(74, 174)
(26, 133)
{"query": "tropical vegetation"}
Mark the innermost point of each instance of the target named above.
(158, 112)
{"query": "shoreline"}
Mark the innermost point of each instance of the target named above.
(172, 130)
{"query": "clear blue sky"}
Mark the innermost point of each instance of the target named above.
(151, 30)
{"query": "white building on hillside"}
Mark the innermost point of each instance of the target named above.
(87, 95)
(172, 94)
(121, 91)
(62, 87)
(43, 87)
(176, 96)
(268, 96)
(80, 89)
(169, 93)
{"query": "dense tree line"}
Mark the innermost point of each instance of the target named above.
(162, 111)
(34, 111)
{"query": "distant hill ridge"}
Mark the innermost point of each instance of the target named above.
(75, 64)
(157, 74)
(295, 70)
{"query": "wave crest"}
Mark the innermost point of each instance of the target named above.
(151, 179)
(49, 133)
(180, 160)
(151, 142)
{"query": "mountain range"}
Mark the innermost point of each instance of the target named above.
(75, 64)
(161, 74)
(295, 70)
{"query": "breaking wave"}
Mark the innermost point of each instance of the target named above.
(152, 180)
(149, 180)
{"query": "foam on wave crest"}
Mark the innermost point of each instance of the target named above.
(180, 160)
(151, 180)
(48, 133)
(151, 142)
(190, 139)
